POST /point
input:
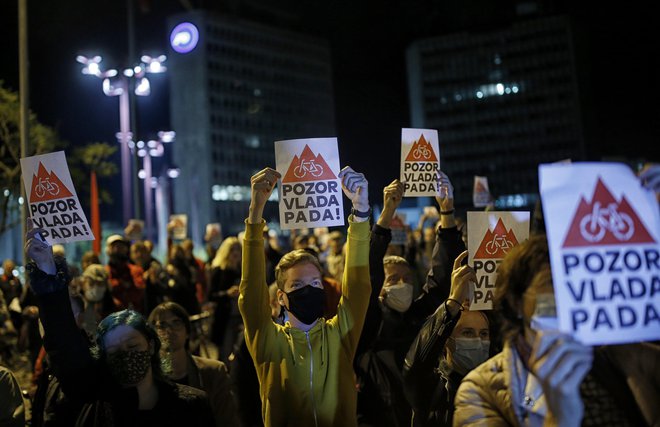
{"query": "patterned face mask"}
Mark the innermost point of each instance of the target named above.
(129, 367)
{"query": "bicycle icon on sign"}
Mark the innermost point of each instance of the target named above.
(310, 166)
(45, 186)
(593, 225)
(421, 152)
(498, 242)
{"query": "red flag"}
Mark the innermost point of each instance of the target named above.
(96, 218)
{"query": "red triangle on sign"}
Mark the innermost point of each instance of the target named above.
(421, 151)
(604, 221)
(308, 167)
(479, 187)
(47, 186)
(496, 243)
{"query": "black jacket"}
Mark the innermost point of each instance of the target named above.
(430, 386)
(377, 362)
(448, 245)
(87, 379)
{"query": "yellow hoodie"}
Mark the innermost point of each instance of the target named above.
(306, 378)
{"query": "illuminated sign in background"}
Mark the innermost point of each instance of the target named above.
(184, 37)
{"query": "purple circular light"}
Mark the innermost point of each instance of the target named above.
(184, 37)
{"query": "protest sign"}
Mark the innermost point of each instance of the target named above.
(603, 230)
(420, 162)
(213, 235)
(134, 229)
(492, 235)
(179, 224)
(52, 200)
(398, 227)
(481, 194)
(310, 192)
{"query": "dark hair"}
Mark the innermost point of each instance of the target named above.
(176, 310)
(136, 321)
(515, 274)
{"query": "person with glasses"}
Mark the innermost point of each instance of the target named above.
(172, 324)
(119, 380)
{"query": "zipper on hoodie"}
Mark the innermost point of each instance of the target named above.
(311, 376)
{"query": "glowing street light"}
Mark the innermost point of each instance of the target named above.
(116, 84)
(152, 148)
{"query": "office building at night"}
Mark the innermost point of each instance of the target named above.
(503, 101)
(235, 88)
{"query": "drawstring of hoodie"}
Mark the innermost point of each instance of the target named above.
(290, 340)
(324, 346)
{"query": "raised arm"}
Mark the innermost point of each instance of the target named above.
(253, 290)
(356, 282)
(67, 349)
(419, 376)
(448, 245)
(381, 235)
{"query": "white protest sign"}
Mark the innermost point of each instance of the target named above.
(481, 193)
(52, 199)
(213, 233)
(492, 235)
(603, 231)
(420, 162)
(310, 192)
(179, 224)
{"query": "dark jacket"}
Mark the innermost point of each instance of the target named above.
(212, 377)
(221, 281)
(385, 338)
(448, 245)
(85, 378)
(429, 384)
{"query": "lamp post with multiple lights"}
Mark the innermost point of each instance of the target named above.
(116, 84)
(152, 148)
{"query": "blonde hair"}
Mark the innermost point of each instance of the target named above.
(221, 259)
(296, 257)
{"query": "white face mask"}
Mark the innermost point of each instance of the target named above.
(398, 297)
(545, 314)
(94, 293)
(469, 353)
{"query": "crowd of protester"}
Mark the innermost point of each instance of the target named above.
(332, 328)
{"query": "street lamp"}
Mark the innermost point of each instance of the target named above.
(116, 84)
(152, 148)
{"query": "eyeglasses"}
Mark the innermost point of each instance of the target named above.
(174, 325)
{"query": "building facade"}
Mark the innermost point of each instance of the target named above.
(242, 87)
(503, 101)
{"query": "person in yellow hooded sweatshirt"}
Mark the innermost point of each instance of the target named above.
(305, 367)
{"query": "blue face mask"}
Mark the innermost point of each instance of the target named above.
(469, 353)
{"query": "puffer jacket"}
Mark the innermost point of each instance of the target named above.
(630, 373)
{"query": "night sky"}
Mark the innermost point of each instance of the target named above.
(617, 62)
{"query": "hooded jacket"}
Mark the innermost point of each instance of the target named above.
(306, 378)
(491, 396)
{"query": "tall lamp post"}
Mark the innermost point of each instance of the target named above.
(115, 84)
(152, 148)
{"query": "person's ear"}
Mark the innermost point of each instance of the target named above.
(280, 297)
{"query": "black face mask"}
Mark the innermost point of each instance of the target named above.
(129, 367)
(307, 303)
(118, 259)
